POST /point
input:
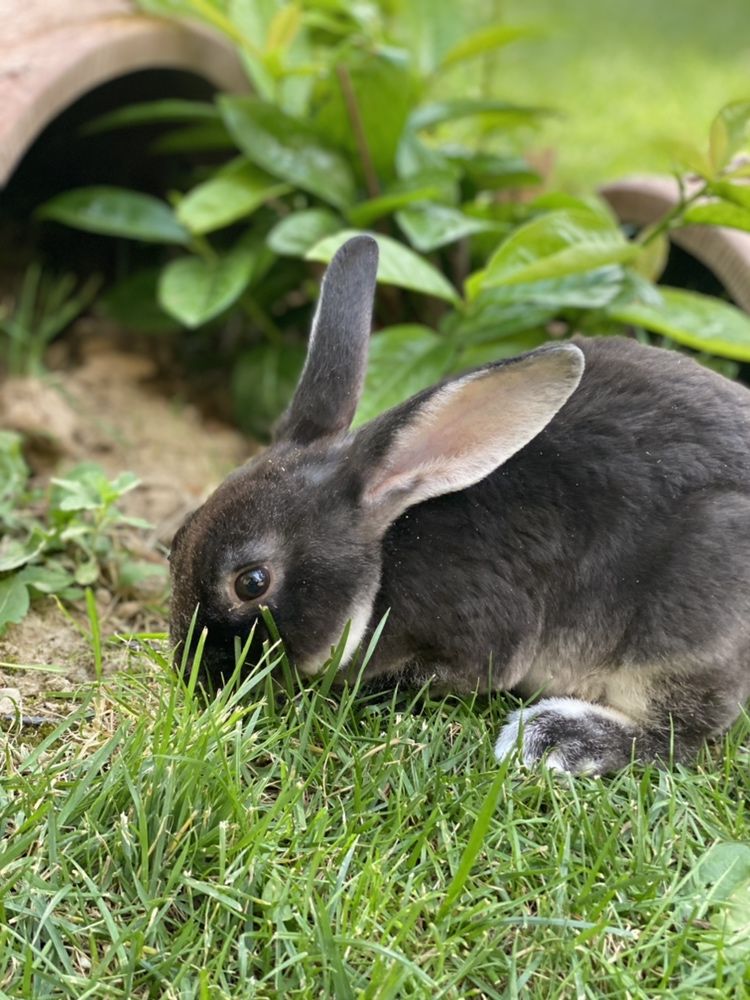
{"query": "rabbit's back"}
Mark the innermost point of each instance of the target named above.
(639, 408)
(620, 533)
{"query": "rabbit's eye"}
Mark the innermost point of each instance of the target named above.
(252, 583)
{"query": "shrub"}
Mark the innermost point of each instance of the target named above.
(359, 120)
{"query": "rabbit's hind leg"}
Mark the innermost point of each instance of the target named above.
(681, 671)
(657, 716)
(567, 734)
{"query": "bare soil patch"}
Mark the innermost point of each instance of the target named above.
(111, 408)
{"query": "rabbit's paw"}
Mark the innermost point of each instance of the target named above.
(567, 734)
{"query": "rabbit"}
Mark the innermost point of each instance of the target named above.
(571, 525)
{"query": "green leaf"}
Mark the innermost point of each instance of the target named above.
(298, 231)
(652, 259)
(403, 360)
(430, 226)
(429, 28)
(587, 290)
(730, 133)
(486, 321)
(14, 601)
(87, 573)
(288, 148)
(210, 13)
(697, 321)
(735, 922)
(490, 170)
(553, 200)
(415, 160)
(485, 40)
(15, 553)
(428, 116)
(123, 483)
(740, 170)
(133, 573)
(684, 157)
(398, 265)
(263, 380)
(474, 355)
(74, 495)
(559, 243)
(385, 93)
(208, 137)
(738, 194)
(132, 303)
(253, 19)
(86, 487)
(284, 27)
(231, 194)
(724, 867)
(195, 290)
(48, 579)
(717, 213)
(366, 212)
(115, 212)
(722, 879)
(14, 472)
(171, 109)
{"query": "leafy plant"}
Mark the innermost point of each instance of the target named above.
(721, 883)
(354, 126)
(64, 540)
(44, 307)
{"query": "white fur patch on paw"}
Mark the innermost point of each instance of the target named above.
(566, 734)
(508, 740)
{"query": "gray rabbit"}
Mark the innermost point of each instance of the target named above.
(572, 524)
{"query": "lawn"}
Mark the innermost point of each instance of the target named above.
(627, 77)
(308, 846)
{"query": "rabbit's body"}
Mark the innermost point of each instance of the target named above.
(604, 564)
(619, 577)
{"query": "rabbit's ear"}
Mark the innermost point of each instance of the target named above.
(331, 381)
(451, 436)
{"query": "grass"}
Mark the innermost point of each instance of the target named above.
(299, 844)
(626, 76)
(302, 845)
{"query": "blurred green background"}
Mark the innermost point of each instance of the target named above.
(627, 75)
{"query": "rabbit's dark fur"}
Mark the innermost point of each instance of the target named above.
(604, 565)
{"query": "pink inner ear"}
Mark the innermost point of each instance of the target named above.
(460, 426)
(471, 426)
(453, 442)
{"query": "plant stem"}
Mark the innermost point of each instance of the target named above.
(201, 246)
(216, 18)
(670, 218)
(262, 320)
(352, 109)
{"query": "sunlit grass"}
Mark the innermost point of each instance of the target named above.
(626, 76)
(302, 844)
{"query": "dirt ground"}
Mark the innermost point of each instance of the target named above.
(111, 408)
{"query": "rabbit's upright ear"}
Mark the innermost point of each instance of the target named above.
(449, 437)
(332, 379)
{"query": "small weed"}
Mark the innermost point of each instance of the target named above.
(63, 539)
(43, 308)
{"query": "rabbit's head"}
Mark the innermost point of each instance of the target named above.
(299, 529)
